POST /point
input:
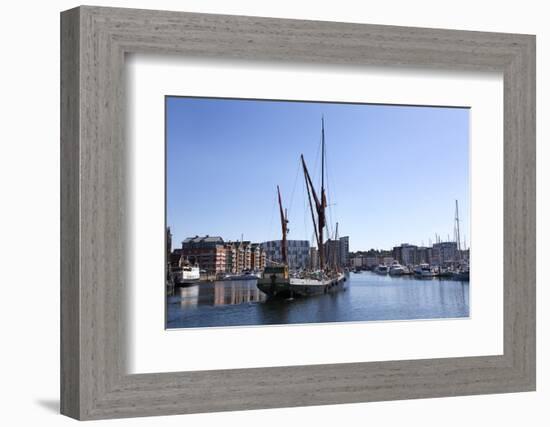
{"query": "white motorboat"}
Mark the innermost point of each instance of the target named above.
(382, 269)
(424, 271)
(185, 276)
(396, 269)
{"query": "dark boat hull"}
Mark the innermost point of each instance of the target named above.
(286, 289)
(186, 283)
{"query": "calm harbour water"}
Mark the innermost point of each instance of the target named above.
(367, 296)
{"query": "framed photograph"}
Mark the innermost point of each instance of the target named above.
(261, 213)
(273, 278)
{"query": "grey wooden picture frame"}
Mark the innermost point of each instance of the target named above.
(94, 380)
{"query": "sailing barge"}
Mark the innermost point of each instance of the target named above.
(278, 281)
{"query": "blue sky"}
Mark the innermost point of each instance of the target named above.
(394, 172)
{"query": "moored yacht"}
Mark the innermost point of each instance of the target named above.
(424, 271)
(186, 275)
(463, 273)
(396, 269)
(382, 269)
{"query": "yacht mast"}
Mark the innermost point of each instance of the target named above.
(457, 225)
(336, 251)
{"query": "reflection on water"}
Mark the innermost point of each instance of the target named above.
(367, 297)
(218, 293)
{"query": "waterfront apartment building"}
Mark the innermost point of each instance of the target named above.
(298, 252)
(397, 253)
(422, 255)
(243, 255)
(363, 261)
(444, 253)
(405, 254)
(257, 257)
(230, 258)
(439, 254)
(244, 258)
(332, 252)
(337, 252)
(208, 252)
(214, 255)
(344, 251)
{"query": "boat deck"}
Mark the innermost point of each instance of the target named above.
(310, 282)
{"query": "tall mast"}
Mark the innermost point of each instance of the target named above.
(320, 204)
(457, 225)
(336, 251)
(322, 155)
(284, 222)
(321, 208)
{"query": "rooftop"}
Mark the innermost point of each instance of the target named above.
(204, 239)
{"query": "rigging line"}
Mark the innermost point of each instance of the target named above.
(273, 261)
(317, 171)
(270, 234)
(331, 216)
(306, 229)
(317, 156)
(294, 187)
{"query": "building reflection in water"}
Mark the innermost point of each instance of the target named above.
(189, 296)
(220, 293)
(236, 292)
